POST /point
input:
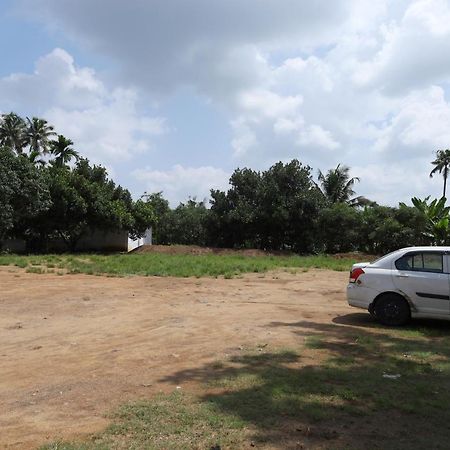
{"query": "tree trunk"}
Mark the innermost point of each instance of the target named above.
(445, 182)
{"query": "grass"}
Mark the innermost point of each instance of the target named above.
(154, 264)
(175, 421)
(274, 399)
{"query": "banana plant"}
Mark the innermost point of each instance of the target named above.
(437, 216)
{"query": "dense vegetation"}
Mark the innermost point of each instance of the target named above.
(48, 191)
(43, 196)
(283, 208)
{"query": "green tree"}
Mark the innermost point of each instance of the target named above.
(84, 200)
(234, 219)
(23, 194)
(441, 164)
(13, 132)
(384, 229)
(62, 151)
(437, 219)
(144, 217)
(39, 134)
(184, 225)
(160, 208)
(290, 204)
(337, 187)
(339, 227)
(274, 209)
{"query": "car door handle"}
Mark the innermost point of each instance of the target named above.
(402, 275)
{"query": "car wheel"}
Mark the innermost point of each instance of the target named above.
(392, 310)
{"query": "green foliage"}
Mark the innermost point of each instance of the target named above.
(441, 165)
(184, 225)
(13, 132)
(274, 209)
(437, 219)
(23, 194)
(158, 264)
(336, 184)
(83, 199)
(38, 134)
(47, 191)
(384, 229)
(339, 228)
(161, 209)
(144, 217)
(63, 151)
(40, 203)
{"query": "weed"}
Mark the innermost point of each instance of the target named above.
(315, 341)
(35, 269)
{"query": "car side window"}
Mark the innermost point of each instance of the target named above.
(421, 262)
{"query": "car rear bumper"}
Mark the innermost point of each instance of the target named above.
(360, 296)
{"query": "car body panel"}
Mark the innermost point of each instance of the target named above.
(427, 293)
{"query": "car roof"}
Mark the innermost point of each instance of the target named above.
(426, 248)
(386, 260)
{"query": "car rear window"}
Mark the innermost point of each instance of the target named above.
(422, 262)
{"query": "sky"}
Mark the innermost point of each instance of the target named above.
(173, 95)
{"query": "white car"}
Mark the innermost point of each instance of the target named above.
(411, 282)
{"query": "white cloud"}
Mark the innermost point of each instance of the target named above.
(391, 184)
(179, 183)
(317, 136)
(357, 82)
(268, 104)
(420, 126)
(413, 51)
(55, 81)
(105, 124)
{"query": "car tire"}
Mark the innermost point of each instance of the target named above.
(392, 310)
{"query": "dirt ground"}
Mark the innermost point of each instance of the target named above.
(73, 347)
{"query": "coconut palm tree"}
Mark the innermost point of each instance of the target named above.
(337, 186)
(62, 150)
(13, 132)
(39, 133)
(442, 165)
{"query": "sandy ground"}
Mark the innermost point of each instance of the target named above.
(73, 347)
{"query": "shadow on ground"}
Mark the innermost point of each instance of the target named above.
(347, 384)
(365, 320)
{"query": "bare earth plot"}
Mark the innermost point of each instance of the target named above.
(75, 347)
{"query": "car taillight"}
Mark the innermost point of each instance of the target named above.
(355, 274)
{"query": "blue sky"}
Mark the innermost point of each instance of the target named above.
(173, 96)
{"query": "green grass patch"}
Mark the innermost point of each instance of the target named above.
(156, 264)
(35, 269)
(174, 421)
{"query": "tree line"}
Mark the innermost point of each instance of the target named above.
(284, 208)
(47, 191)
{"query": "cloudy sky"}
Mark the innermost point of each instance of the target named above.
(173, 95)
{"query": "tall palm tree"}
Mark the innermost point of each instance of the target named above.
(13, 132)
(62, 150)
(442, 165)
(39, 133)
(337, 186)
